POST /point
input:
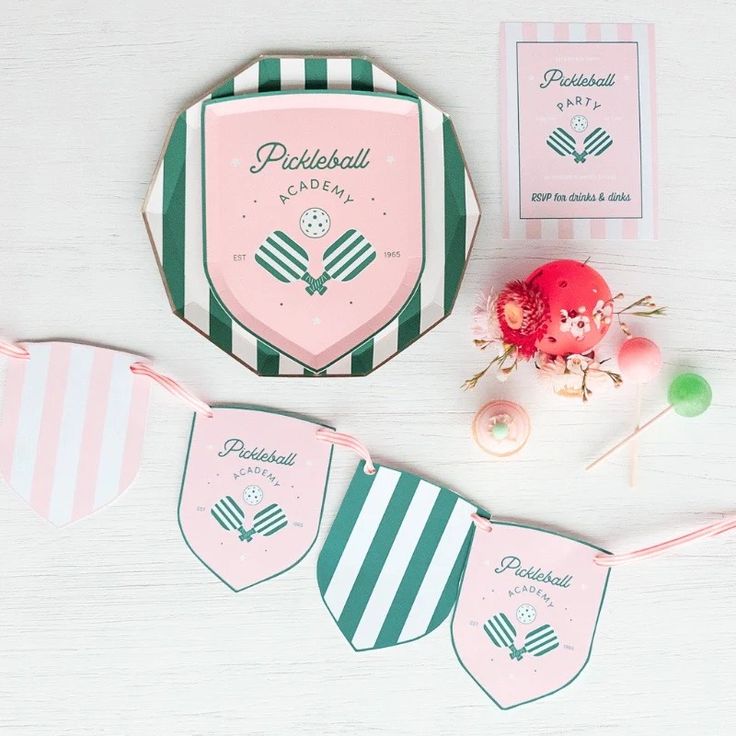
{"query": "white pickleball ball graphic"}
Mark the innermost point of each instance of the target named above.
(314, 222)
(579, 123)
(525, 613)
(253, 495)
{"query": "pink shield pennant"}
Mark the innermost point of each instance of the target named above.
(253, 490)
(527, 611)
(313, 215)
(72, 427)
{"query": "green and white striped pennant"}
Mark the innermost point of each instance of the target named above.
(390, 567)
(173, 216)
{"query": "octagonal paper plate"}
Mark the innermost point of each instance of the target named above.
(311, 216)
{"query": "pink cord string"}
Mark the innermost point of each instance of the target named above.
(12, 350)
(347, 440)
(174, 388)
(711, 530)
(481, 522)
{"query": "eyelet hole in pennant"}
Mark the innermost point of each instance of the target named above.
(253, 492)
(72, 427)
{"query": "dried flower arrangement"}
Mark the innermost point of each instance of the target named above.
(525, 322)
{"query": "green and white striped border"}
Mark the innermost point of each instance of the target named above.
(173, 215)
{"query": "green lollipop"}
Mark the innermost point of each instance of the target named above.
(689, 395)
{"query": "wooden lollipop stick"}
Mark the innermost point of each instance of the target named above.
(634, 469)
(630, 437)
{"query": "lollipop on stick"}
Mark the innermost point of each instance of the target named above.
(689, 395)
(640, 360)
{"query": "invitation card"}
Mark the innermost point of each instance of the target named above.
(578, 131)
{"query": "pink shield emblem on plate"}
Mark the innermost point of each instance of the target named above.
(314, 225)
(527, 612)
(253, 490)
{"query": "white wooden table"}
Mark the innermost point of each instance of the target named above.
(112, 626)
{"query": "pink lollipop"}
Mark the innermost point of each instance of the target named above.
(639, 360)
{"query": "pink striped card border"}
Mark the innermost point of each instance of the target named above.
(645, 228)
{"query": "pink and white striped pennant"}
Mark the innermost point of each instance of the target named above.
(72, 427)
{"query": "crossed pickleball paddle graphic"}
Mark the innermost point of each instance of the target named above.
(561, 142)
(537, 642)
(288, 262)
(228, 514)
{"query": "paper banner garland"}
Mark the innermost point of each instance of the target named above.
(311, 216)
(527, 611)
(402, 553)
(390, 566)
(253, 490)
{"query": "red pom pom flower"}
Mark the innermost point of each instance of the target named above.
(523, 315)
